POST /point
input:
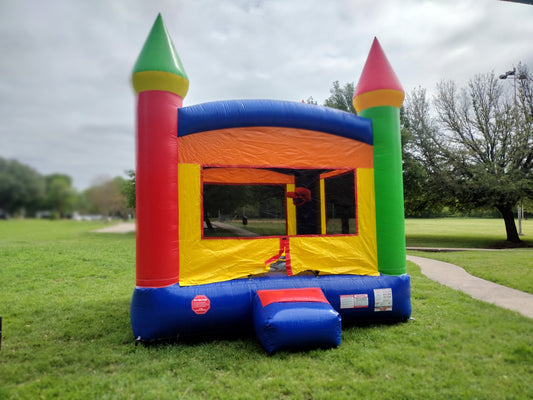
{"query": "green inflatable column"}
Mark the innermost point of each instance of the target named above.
(379, 96)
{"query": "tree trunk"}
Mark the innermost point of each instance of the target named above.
(510, 226)
(208, 222)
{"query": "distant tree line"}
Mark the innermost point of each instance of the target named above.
(469, 150)
(24, 192)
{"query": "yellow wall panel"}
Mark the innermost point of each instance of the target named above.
(214, 260)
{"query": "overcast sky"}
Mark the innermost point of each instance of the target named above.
(66, 103)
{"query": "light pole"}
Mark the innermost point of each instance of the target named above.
(520, 210)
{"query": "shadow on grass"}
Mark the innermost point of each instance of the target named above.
(246, 340)
(464, 242)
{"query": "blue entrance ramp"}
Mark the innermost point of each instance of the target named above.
(295, 319)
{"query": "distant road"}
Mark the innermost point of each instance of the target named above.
(123, 227)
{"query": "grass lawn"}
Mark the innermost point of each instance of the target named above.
(64, 299)
(462, 232)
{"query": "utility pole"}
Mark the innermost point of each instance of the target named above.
(520, 208)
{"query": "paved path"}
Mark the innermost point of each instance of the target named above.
(122, 227)
(241, 232)
(457, 278)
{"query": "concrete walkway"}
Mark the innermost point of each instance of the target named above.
(122, 227)
(457, 278)
(240, 232)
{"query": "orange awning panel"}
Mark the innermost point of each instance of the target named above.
(245, 176)
(273, 147)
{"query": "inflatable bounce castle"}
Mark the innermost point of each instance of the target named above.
(281, 217)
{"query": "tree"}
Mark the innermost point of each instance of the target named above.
(21, 187)
(341, 97)
(107, 199)
(478, 152)
(418, 201)
(423, 194)
(60, 196)
(128, 189)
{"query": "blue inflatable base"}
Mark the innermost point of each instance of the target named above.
(227, 307)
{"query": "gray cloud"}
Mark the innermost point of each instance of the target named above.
(65, 99)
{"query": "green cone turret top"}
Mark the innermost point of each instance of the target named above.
(158, 66)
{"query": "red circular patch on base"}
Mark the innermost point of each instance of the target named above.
(200, 304)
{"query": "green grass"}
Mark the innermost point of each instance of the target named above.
(462, 232)
(64, 299)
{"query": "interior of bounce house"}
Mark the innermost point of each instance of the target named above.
(281, 217)
(294, 192)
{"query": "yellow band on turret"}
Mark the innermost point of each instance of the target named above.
(160, 80)
(376, 98)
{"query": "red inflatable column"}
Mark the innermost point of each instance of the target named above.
(161, 84)
(157, 188)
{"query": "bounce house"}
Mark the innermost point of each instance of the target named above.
(281, 217)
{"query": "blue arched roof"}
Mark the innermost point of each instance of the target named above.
(247, 113)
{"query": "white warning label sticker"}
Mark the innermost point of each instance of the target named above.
(354, 301)
(383, 299)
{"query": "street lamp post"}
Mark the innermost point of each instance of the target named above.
(520, 210)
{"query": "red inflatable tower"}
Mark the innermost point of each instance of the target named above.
(161, 84)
